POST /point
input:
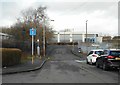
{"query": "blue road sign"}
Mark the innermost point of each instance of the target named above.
(32, 32)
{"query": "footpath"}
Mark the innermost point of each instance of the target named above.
(27, 66)
(24, 67)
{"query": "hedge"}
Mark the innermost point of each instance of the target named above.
(10, 56)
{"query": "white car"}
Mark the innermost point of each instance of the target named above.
(92, 55)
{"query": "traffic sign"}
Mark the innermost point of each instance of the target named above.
(32, 32)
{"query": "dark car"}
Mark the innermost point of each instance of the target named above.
(110, 59)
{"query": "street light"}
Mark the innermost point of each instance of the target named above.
(86, 36)
(44, 27)
(73, 39)
(44, 36)
(86, 30)
(64, 37)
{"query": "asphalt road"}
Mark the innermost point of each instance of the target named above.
(64, 67)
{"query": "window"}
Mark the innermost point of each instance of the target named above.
(105, 52)
(99, 52)
(91, 52)
(115, 53)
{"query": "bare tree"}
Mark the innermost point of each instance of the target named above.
(31, 18)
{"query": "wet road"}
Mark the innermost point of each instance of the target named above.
(64, 67)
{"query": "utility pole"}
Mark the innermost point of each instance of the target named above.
(73, 39)
(44, 36)
(86, 31)
(64, 37)
(86, 38)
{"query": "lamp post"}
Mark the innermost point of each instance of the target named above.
(86, 30)
(64, 37)
(44, 36)
(73, 39)
(44, 30)
(86, 37)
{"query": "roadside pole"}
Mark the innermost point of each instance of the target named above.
(73, 39)
(32, 49)
(44, 49)
(32, 33)
(119, 75)
(86, 38)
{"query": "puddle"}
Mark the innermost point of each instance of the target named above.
(79, 61)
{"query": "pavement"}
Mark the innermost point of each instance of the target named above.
(24, 67)
(27, 66)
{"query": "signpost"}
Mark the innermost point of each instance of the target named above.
(32, 33)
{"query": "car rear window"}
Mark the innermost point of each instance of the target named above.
(99, 52)
(115, 53)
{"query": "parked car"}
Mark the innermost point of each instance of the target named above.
(110, 59)
(92, 55)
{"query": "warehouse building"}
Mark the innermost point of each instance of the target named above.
(67, 37)
(4, 36)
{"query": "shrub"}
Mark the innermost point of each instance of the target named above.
(10, 44)
(10, 56)
(22, 45)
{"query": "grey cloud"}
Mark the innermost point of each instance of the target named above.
(9, 9)
(75, 8)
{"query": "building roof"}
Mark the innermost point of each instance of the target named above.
(74, 33)
(3, 34)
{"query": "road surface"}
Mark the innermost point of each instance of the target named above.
(64, 67)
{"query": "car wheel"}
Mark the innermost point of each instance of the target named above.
(87, 61)
(104, 67)
(97, 65)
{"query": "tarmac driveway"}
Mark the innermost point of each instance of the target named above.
(64, 67)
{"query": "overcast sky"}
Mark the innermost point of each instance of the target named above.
(102, 15)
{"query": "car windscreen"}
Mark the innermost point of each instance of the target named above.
(115, 53)
(99, 52)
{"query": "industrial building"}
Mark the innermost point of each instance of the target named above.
(4, 36)
(67, 37)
